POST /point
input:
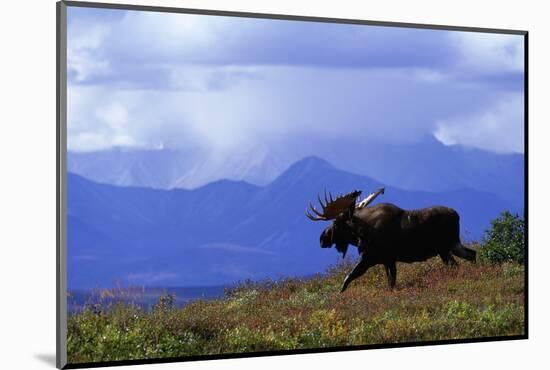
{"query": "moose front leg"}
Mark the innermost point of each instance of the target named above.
(448, 259)
(391, 273)
(362, 266)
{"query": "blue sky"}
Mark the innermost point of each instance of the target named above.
(157, 80)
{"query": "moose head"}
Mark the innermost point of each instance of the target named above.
(341, 232)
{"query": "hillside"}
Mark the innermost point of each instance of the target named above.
(431, 302)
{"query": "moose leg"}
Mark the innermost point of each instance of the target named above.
(359, 269)
(464, 252)
(448, 259)
(391, 273)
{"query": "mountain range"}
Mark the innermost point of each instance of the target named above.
(227, 230)
(425, 165)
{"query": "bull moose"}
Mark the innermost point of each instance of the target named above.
(386, 234)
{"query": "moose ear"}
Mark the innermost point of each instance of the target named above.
(351, 209)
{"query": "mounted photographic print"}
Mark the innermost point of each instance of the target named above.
(235, 184)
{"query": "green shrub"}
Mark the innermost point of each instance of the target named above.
(504, 241)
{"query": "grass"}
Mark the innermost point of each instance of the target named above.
(431, 302)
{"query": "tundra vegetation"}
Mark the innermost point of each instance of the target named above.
(430, 302)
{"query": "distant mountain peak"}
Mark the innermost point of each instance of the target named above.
(311, 162)
(310, 166)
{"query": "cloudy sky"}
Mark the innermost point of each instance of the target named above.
(157, 80)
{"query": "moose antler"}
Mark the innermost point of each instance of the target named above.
(365, 202)
(332, 207)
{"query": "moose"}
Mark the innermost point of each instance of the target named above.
(386, 234)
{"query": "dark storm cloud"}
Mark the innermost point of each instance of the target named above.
(138, 46)
(156, 79)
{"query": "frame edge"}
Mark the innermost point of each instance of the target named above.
(290, 17)
(61, 146)
(61, 168)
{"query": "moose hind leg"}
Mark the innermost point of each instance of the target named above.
(359, 269)
(391, 273)
(464, 252)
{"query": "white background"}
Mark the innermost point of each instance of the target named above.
(27, 166)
